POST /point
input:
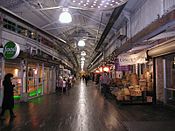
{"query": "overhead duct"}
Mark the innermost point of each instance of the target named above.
(115, 14)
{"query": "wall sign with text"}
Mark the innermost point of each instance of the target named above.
(11, 50)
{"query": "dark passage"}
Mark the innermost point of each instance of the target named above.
(85, 109)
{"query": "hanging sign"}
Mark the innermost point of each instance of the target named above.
(11, 50)
(131, 59)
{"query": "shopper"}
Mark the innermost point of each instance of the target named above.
(105, 83)
(8, 100)
(60, 83)
(64, 86)
(87, 79)
(83, 77)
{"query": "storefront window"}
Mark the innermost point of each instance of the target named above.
(45, 80)
(170, 79)
(9, 25)
(34, 81)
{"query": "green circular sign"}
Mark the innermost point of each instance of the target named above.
(11, 50)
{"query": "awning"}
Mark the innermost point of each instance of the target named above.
(162, 49)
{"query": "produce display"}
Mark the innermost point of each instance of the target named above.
(131, 86)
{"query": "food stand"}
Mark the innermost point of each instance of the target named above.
(134, 79)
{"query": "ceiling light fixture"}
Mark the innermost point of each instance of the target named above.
(65, 16)
(82, 62)
(81, 43)
(83, 53)
(82, 59)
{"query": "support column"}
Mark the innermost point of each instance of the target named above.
(1, 26)
(43, 78)
(164, 81)
(1, 61)
(37, 79)
(54, 79)
(23, 75)
(2, 64)
(154, 81)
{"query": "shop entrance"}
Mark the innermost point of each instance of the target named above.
(169, 79)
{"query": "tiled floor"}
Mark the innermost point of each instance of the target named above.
(85, 109)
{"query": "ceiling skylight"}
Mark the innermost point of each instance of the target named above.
(97, 4)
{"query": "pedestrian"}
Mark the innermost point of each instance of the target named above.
(83, 77)
(105, 82)
(64, 85)
(86, 79)
(8, 100)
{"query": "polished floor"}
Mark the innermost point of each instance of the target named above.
(85, 109)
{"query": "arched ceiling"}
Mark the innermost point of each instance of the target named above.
(90, 18)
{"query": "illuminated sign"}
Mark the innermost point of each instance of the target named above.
(11, 50)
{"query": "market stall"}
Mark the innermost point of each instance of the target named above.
(133, 82)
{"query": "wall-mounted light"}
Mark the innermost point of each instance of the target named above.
(81, 43)
(16, 72)
(101, 69)
(65, 16)
(106, 69)
(97, 71)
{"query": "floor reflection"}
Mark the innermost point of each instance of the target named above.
(85, 109)
(82, 106)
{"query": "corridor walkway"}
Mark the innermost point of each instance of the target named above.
(85, 109)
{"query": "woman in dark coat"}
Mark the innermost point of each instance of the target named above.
(8, 100)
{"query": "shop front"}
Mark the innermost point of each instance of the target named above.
(32, 78)
(164, 64)
(133, 79)
(169, 78)
(35, 80)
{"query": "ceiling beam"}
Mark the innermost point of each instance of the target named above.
(97, 21)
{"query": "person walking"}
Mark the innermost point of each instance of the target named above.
(8, 100)
(86, 79)
(105, 82)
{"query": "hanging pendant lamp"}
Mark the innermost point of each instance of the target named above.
(65, 16)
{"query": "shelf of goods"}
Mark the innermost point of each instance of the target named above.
(133, 90)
